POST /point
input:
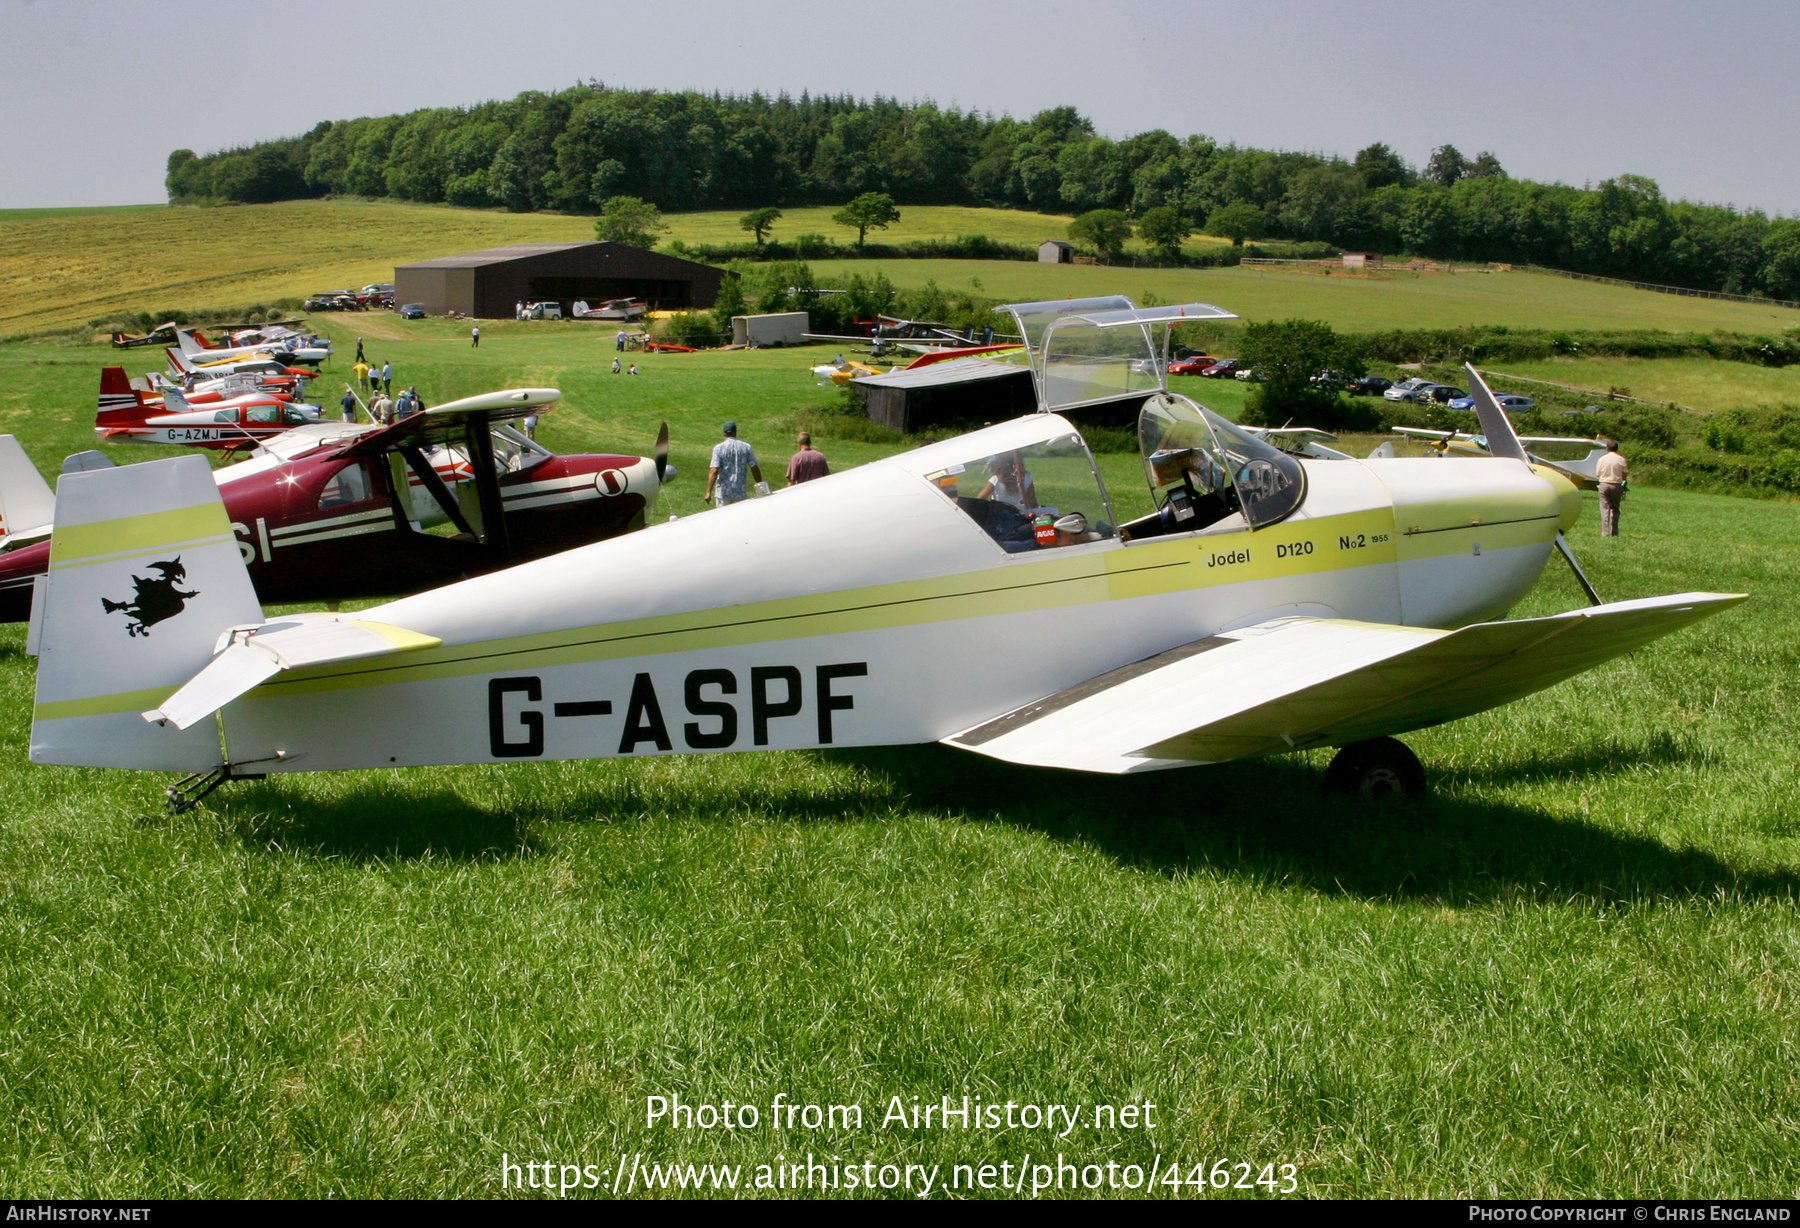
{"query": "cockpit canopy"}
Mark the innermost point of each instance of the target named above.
(1087, 351)
(1202, 469)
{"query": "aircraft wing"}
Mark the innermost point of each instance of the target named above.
(1299, 682)
(252, 656)
(449, 422)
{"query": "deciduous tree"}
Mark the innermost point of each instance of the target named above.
(759, 222)
(1236, 222)
(870, 211)
(1102, 230)
(1447, 165)
(1163, 228)
(626, 219)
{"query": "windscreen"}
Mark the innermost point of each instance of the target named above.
(1195, 460)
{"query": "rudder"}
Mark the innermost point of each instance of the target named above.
(145, 575)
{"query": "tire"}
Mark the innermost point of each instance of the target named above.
(1377, 768)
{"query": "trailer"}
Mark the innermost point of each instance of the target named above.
(776, 328)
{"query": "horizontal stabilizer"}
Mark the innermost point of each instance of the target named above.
(253, 656)
(1301, 682)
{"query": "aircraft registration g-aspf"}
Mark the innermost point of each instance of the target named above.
(978, 591)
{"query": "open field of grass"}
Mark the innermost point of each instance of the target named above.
(64, 267)
(1699, 382)
(1349, 304)
(1573, 972)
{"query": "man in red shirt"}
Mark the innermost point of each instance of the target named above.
(808, 463)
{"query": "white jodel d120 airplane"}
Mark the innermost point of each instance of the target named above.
(978, 591)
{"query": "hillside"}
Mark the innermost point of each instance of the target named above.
(59, 268)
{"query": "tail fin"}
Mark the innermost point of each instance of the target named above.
(25, 499)
(120, 403)
(145, 576)
(178, 362)
(191, 341)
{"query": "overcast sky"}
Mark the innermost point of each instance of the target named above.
(1703, 98)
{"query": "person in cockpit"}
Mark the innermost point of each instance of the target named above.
(1010, 482)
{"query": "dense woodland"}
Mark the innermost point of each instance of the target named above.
(574, 150)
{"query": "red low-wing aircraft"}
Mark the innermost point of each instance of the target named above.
(226, 417)
(330, 511)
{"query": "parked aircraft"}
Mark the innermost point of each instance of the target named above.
(626, 309)
(222, 417)
(979, 591)
(1576, 458)
(331, 511)
(293, 348)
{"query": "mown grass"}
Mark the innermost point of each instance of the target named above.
(1349, 304)
(1573, 972)
(1700, 382)
(61, 268)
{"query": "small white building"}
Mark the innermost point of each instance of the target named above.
(1055, 251)
(1362, 260)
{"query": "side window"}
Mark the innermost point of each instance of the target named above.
(265, 413)
(1034, 498)
(226, 415)
(348, 485)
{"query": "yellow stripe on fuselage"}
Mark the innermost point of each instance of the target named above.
(1035, 582)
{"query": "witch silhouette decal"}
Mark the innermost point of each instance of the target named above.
(155, 600)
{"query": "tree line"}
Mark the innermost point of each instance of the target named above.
(575, 150)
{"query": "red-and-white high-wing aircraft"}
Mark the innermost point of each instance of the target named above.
(333, 511)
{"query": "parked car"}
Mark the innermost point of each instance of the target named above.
(1193, 365)
(1223, 369)
(1406, 390)
(1247, 374)
(1508, 401)
(412, 311)
(332, 300)
(1369, 386)
(377, 289)
(1442, 394)
(542, 311)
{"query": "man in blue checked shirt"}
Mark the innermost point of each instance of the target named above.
(733, 463)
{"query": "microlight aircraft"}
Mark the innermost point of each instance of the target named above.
(979, 591)
(330, 511)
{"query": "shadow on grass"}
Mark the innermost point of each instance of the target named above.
(372, 824)
(1269, 819)
(1265, 819)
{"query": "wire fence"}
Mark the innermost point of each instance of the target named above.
(1685, 291)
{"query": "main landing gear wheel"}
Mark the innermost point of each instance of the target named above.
(1379, 767)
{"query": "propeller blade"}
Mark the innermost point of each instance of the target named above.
(1563, 546)
(662, 452)
(1502, 440)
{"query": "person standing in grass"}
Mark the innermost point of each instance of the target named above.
(362, 374)
(806, 464)
(387, 376)
(349, 404)
(1612, 472)
(475, 337)
(359, 353)
(732, 460)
